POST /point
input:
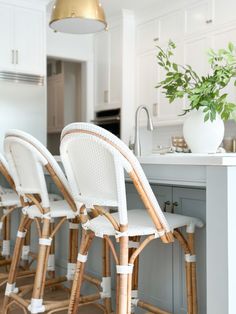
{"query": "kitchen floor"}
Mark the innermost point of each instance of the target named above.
(84, 310)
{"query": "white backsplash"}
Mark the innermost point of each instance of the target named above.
(162, 135)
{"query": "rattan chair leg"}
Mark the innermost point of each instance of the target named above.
(123, 278)
(24, 225)
(41, 263)
(191, 241)
(52, 249)
(86, 241)
(133, 281)
(107, 272)
(25, 261)
(189, 287)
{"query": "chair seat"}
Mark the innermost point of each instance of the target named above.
(9, 199)
(57, 209)
(140, 223)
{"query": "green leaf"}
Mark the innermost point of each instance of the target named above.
(231, 47)
(206, 118)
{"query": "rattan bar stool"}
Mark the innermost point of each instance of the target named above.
(95, 161)
(28, 159)
(9, 202)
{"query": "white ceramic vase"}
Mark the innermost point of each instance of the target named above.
(203, 137)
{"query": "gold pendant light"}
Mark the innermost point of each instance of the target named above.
(78, 16)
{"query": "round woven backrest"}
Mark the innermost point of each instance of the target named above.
(27, 159)
(95, 162)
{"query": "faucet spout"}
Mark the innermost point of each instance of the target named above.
(137, 146)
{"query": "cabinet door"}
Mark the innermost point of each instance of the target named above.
(50, 104)
(191, 202)
(6, 35)
(59, 102)
(221, 40)
(146, 34)
(115, 67)
(55, 96)
(224, 11)
(195, 53)
(170, 112)
(147, 78)
(101, 69)
(198, 17)
(172, 26)
(29, 41)
(155, 272)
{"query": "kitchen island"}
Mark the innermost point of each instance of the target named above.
(217, 175)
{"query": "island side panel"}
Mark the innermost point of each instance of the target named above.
(221, 235)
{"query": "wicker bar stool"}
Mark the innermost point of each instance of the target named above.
(28, 159)
(97, 180)
(9, 202)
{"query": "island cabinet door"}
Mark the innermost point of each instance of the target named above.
(155, 270)
(191, 202)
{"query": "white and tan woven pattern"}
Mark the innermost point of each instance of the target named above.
(27, 158)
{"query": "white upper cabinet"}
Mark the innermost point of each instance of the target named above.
(220, 40)
(29, 40)
(147, 78)
(101, 69)
(198, 17)
(22, 32)
(115, 68)
(6, 31)
(224, 11)
(108, 69)
(195, 51)
(172, 26)
(170, 112)
(146, 35)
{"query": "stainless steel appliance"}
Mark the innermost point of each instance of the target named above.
(109, 120)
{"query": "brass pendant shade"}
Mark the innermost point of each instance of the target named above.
(78, 16)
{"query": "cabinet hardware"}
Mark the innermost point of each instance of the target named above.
(13, 56)
(155, 110)
(166, 204)
(17, 56)
(156, 39)
(106, 96)
(209, 21)
(175, 204)
(54, 121)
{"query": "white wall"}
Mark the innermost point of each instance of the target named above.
(23, 107)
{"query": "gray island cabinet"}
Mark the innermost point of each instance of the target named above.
(203, 186)
(162, 273)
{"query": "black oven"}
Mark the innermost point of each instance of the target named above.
(109, 120)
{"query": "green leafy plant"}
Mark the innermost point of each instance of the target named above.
(205, 92)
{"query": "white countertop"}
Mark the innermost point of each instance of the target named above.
(225, 159)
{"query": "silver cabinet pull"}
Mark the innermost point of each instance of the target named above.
(209, 21)
(166, 204)
(17, 57)
(13, 56)
(156, 39)
(105, 96)
(175, 204)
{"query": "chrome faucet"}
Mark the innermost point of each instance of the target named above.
(137, 146)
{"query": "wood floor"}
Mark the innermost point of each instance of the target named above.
(56, 296)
